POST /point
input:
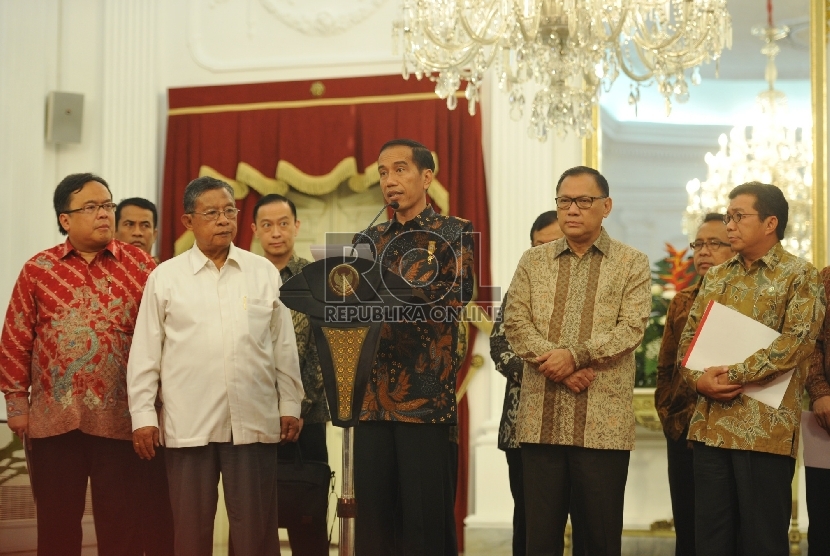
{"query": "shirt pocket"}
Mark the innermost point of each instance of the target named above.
(771, 304)
(260, 312)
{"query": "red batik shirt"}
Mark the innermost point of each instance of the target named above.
(66, 338)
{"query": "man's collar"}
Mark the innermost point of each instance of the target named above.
(198, 259)
(113, 247)
(770, 259)
(293, 264)
(421, 220)
(602, 243)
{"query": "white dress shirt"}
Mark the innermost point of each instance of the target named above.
(223, 346)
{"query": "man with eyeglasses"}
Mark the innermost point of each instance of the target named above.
(576, 310)
(744, 450)
(63, 365)
(673, 399)
(212, 328)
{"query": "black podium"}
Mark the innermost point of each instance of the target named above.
(347, 299)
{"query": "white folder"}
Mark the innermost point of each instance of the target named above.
(726, 337)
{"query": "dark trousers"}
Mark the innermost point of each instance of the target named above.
(682, 489)
(308, 539)
(514, 473)
(153, 507)
(743, 501)
(249, 479)
(818, 510)
(588, 482)
(403, 491)
(61, 466)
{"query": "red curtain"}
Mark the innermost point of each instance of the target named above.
(261, 124)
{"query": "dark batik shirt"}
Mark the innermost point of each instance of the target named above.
(68, 331)
(674, 399)
(314, 409)
(510, 365)
(413, 379)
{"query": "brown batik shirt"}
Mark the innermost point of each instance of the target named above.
(674, 400)
(414, 376)
(314, 408)
(596, 306)
(818, 379)
(784, 293)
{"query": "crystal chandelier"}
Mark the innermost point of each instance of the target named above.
(571, 49)
(770, 152)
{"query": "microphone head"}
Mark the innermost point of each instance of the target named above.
(394, 205)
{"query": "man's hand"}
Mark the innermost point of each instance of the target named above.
(145, 441)
(289, 429)
(580, 380)
(821, 409)
(19, 425)
(714, 384)
(556, 364)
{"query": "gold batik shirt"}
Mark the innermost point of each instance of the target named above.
(596, 306)
(785, 293)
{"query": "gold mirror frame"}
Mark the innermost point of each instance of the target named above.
(819, 28)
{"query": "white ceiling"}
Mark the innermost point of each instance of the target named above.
(730, 99)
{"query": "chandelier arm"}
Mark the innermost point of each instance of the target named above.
(629, 71)
(473, 34)
(643, 33)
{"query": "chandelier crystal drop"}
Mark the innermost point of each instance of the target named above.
(572, 50)
(770, 152)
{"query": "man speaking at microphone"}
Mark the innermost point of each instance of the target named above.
(402, 469)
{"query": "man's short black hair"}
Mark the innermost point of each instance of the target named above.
(274, 198)
(199, 186)
(602, 183)
(69, 185)
(421, 156)
(543, 221)
(139, 202)
(769, 201)
(712, 217)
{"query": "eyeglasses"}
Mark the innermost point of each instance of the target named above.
(712, 244)
(92, 208)
(229, 212)
(565, 203)
(738, 216)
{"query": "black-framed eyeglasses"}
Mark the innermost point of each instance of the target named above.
(712, 244)
(738, 216)
(586, 202)
(92, 208)
(229, 212)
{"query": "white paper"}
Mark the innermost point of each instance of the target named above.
(727, 337)
(771, 393)
(815, 442)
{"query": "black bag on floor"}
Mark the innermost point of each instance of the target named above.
(303, 491)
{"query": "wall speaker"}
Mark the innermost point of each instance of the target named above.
(64, 117)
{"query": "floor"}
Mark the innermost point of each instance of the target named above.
(632, 546)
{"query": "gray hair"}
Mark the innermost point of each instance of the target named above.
(200, 185)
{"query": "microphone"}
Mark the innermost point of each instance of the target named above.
(393, 205)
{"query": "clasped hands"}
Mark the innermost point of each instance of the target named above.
(558, 365)
(714, 384)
